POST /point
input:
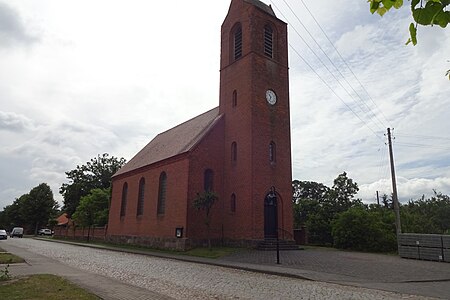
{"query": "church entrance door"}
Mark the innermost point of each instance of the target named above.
(270, 216)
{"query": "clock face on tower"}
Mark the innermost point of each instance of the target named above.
(271, 97)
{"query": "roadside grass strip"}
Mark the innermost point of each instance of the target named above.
(43, 286)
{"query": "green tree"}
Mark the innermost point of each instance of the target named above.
(430, 215)
(387, 201)
(343, 192)
(363, 230)
(38, 207)
(93, 208)
(308, 190)
(12, 216)
(307, 199)
(96, 173)
(205, 201)
(316, 205)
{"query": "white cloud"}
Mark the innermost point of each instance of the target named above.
(13, 31)
(407, 189)
(14, 122)
(112, 80)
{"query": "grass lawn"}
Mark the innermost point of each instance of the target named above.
(8, 258)
(48, 287)
(215, 252)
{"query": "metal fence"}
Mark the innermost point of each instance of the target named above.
(424, 246)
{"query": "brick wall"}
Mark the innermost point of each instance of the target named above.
(81, 233)
(253, 124)
(150, 223)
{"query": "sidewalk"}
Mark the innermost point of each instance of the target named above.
(103, 287)
(374, 271)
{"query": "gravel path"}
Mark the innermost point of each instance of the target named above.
(183, 280)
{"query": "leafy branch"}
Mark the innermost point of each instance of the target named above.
(205, 201)
(434, 12)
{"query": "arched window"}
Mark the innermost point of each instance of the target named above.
(162, 193)
(233, 203)
(268, 41)
(272, 152)
(234, 101)
(123, 204)
(208, 180)
(237, 42)
(233, 152)
(140, 204)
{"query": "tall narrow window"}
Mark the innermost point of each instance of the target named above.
(162, 193)
(238, 42)
(123, 204)
(140, 204)
(234, 101)
(233, 203)
(268, 41)
(272, 152)
(208, 180)
(233, 152)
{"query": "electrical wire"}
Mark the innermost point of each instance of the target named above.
(361, 103)
(424, 136)
(332, 90)
(320, 77)
(345, 62)
(414, 145)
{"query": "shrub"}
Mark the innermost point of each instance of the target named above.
(364, 230)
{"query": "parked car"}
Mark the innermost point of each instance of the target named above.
(45, 231)
(17, 231)
(3, 234)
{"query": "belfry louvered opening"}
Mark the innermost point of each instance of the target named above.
(238, 43)
(268, 41)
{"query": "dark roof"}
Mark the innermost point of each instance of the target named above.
(267, 8)
(172, 142)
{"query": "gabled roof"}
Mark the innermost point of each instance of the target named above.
(172, 142)
(267, 8)
(62, 219)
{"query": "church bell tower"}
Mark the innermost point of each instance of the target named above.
(254, 98)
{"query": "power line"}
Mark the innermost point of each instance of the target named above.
(345, 62)
(324, 81)
(361, 103)
(293, 49)
(414, 145)
(383, 164)
(425, 137)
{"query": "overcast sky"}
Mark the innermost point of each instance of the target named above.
(81, 78)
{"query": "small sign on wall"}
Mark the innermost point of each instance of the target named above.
(179, 232)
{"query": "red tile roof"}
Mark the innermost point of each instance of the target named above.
(175, 141)
(62, 219)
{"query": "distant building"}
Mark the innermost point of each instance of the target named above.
(63, 220)
(241, 150)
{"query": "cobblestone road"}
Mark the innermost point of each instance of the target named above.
(183, 280)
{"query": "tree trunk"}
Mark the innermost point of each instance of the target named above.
(209, 239)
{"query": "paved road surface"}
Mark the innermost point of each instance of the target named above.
(184, 280)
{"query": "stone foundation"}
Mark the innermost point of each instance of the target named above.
(179, 244)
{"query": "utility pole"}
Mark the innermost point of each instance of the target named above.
(394, 187)
(378, 199)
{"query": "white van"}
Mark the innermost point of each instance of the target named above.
(17, 231)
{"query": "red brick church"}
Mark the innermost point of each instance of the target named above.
(241, 150)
